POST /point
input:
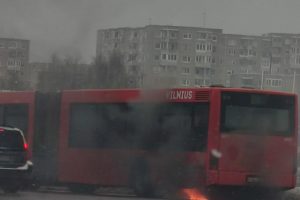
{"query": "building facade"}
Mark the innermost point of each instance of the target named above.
(178, 56)
(266, 62)
(166, 56)
(14, 59)
(14, 54)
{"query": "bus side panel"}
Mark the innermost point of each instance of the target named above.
(47, 111)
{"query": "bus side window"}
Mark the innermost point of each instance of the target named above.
(16, 115)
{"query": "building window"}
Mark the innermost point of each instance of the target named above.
(185, 82)
(208, 59)
(214, 49)
(252, 52)
(164, 56)
(199, 71)
(162, 68)
(132, 57)
(200, 47)
(20, 54)
(273, 82)
(173, 34)
(247, 81)
(213, 60)
(268, 82)
(135, 34)
(116, 45)
(200, 59)
(298, 59)
(12, 45)
(11, 62)
(163, 45)
(172, 46)
(106, 35)
(2, 45)
(187, 36)
(244, 70)
(232, 42)
(156, 57)
(276, 60)
(276, 82)
(277, 39)
(231, 51)
(198, 82)
(117, 34)
(265, 62)
(201, 35)
(12, 54)
(157, 45)
(163, 33)
(209, 47)
(172, 57)
(185, 70)
(214, 38)
(186, 59)
(287, 41)
(229, 72)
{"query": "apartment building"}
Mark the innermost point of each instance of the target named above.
(171, 56)
(14, 53)
(179, 56)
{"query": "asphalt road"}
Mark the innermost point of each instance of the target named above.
(60, 196)
(63, 195)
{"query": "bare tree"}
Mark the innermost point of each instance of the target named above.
(109, 73)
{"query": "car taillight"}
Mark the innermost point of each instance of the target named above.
(25, 146)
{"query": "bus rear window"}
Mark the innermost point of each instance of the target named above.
(248, 113)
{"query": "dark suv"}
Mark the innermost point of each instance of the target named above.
(15, 167)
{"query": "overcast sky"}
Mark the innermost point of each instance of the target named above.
(70, 26)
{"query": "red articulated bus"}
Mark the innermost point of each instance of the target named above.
(205, 137)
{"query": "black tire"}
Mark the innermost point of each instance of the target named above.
(11, 189)
(140, 180)
(82, 188)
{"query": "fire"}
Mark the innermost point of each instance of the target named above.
(193, 194)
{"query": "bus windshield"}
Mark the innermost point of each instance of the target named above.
(246, 113)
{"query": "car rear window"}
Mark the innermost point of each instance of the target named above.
(11, 140)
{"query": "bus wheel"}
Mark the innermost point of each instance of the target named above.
(142, 187)
(82, 188)
(11, 188)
